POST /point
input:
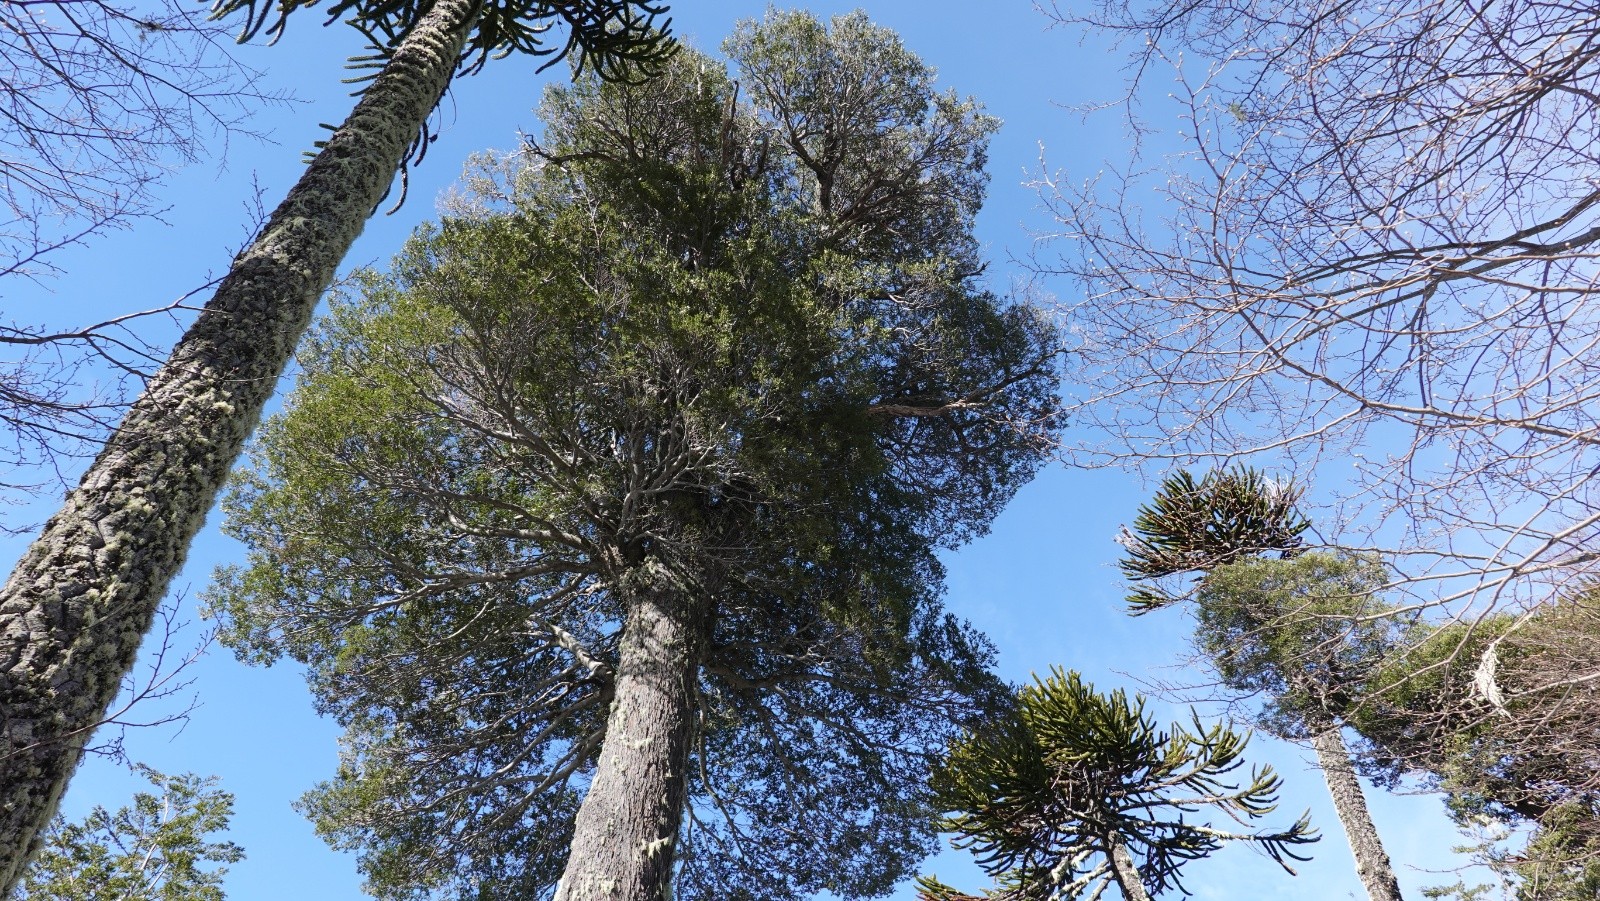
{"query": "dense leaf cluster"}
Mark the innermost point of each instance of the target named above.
(1301, 634)
(726, 336)
(158, 848)
(1497, 712)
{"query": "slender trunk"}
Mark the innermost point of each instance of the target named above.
(76, 607)
(1372, 862)
(625, 837)
(1123, 869)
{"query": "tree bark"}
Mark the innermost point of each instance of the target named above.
(75, 609)
(1123, 869)
(626, 833)
(1372, 861)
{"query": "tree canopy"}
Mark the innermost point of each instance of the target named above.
(718, 335)
(82, 597)
(1193, 526)
(1494, 711)
(1303, 635)
(159, 848)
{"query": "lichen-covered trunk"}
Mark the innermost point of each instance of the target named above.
(1372, 861)
(1123, 869)
(626, 834)
(76, 607)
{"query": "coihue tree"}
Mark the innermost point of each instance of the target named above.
(606, 520)
(158, 848)
(1488, 709)
(1303, 635)
(1073, 791)
(76, 606)
(1495, 711)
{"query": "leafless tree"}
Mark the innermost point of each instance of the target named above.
(61, 391)
(99, 101)
(1372, 252)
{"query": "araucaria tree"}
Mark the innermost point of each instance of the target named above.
(1073, 791)
(76, 606)
(1300, 630)
(606, 521)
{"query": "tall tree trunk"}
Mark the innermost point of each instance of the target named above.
(76, 607)
(626, 834)
(1123, 869)
(1372, 861)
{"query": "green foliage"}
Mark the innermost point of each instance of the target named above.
(1042, 793)
(1458, 890)
(1482, 708)
(1561, 862)
(156, 849)
(1301, 629)
(1303, 633)
(688, 336)
(1495, 711)
(1419, 711)
(1195, 526)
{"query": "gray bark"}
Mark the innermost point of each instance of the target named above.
(626, 833)
(1372, 861)
(1123, 869)
(76, 607)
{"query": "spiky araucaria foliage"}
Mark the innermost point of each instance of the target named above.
(611, 35)
(1074, 790)
(1301, 629)
(1195, 525)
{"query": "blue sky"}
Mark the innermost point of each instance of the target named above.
(1043, 584)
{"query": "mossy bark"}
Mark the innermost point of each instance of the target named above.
(78, 604)
(1372, 861)
(626, 834)
(1123, 869)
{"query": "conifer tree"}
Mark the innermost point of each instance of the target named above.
(1487, 709)
(1074, 791)
(605, 523)
(1300, 629)
(1193, 526)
